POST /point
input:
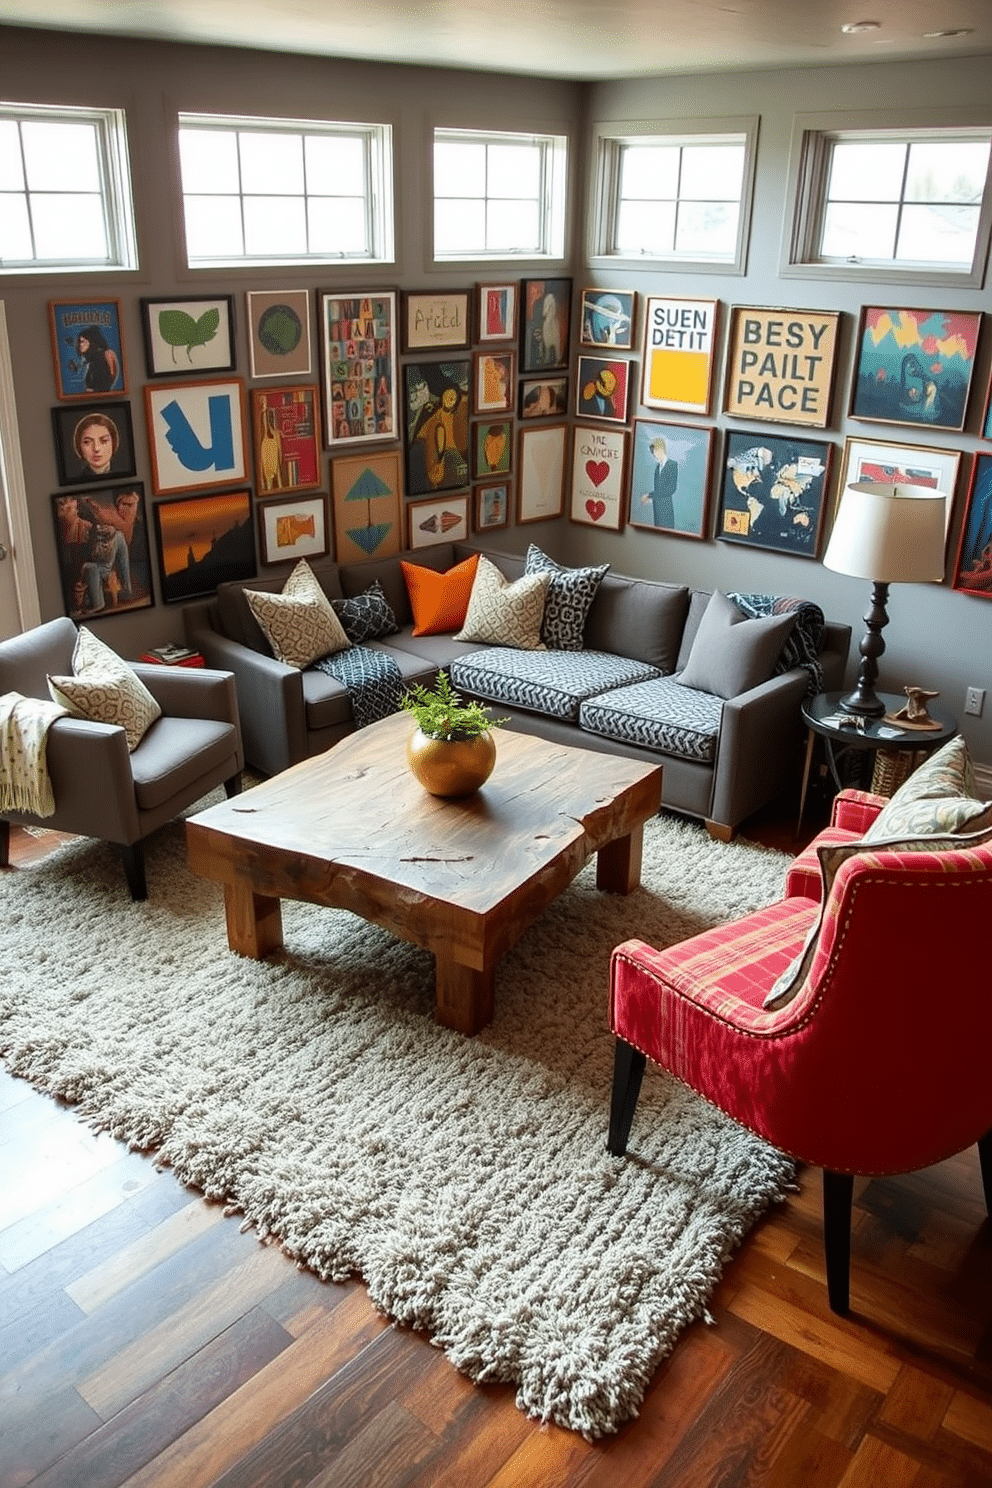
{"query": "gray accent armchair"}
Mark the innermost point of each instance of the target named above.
(100, 789)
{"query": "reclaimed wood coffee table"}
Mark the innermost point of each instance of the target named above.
(353, 829)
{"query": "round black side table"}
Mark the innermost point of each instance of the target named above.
(823, 713)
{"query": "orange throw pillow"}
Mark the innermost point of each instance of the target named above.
(439, 601)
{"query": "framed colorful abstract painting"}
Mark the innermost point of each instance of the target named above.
(915, 366)
(367, 491)
(358, 342)
(679, 352)
(973, 566)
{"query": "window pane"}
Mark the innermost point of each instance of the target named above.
(940, 235)
(459, 170)
(650, 171)
(514, 170)
(947, 172)
(271, 164)
(335, 165)
(712, 172)
(63, 220)
(208, 160)
(11, 170)
(513, 227)
(646, 227)
(707, 229)
(274, 226)
(859, 231)
(213, 227)
(866, 172)
(15, 231)
(61, 157)
(459, 226)
(338, 226)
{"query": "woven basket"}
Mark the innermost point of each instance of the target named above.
(893, 767)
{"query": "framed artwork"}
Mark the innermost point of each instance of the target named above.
(915, 464)
(679, 353)
(973, 565)
(773, 492)
(987, 415)
(607, 318)
(101, 539)
(189, 336)
(203, 541)
(670, 477)
(541, 472)
(492, 447)
(367, 492)
(543, 397)
(598, 460)
(546, 324)
(496, 312)
(87, 347)
(780, 365)
(494, 375)
(445, 519)
(279, 332)
(358, 338)
(197, 434)
(603, 388)
(436, 320)
(286, 438)
(914, 366)
(492, 505)
(95, 443)
(288, 530)
(437, 427)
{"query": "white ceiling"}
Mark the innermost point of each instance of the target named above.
(579, 39)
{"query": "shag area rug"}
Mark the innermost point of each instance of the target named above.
(466, 1180)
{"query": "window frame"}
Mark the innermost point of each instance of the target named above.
(608, 140)
(553, 204)
(813, 134)
(116, 193)
(379, 199)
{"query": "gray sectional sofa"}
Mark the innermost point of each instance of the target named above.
(724, 757)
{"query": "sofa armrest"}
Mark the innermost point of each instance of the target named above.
(90, 771)
(270, 699)
(759, 736)
(855, 810)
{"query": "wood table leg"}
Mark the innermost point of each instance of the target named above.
(618, 863)
(254, 921)
(466, 997)
(807, 764)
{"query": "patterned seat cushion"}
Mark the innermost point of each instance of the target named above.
(661, 715)
(552, 682)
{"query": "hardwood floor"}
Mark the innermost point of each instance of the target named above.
(145, 1339)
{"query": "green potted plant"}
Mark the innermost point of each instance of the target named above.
(451, 750)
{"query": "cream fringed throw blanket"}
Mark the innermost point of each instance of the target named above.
(24, 779)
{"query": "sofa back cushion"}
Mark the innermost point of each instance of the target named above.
(638, 618)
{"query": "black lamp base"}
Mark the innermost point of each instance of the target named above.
(864, 700)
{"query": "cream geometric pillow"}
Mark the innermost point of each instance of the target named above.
(938, 797)
(104, 689)
(501, 613)
(299, 624)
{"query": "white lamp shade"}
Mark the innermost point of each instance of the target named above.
(889, 533)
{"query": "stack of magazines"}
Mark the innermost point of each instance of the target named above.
(174, 655)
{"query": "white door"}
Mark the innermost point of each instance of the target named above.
(19, 608)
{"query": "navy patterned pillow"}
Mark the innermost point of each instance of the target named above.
(570, 596)
(366, 616)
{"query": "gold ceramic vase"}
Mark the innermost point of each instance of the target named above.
(451, 767)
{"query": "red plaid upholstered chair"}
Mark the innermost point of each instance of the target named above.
(877, 1062)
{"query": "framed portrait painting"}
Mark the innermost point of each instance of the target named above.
(541, 472)
(101, 539)
(197, 434)
(914, 366)
(292, 529)
(780, 365)
(598, 459)
(912, 464)
(973, 565)
(602, 388)
(286, 438)
(279, 332)
(492, 505)
(367, 490)
(670, 477)
(87, 347)
(492, 447)
(443, 519)
(545, 324)
(188, 336)
(437, 426)
(359, 341)
(494, 375)
(607, 318)
(543, 397)
(773, 492)
(679, 353)
(93, 443)
(496, 312)
(436, 320)
(204, 541)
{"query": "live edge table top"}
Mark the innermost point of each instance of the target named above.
(353, 829)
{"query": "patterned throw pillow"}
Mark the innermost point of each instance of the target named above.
(731, 654)
(104, 689)
(366, 616)
(505, 614)
(439, 600)
(299, 624)
(570, 596)
(939, 796)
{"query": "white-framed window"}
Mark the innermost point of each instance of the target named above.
(674, 194)
(65, 190)
(901, 202)
(498, 195)
(285, 191)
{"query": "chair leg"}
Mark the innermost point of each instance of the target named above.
(233, 785)
(838, 1193)
(628, 1071)
(985, 1158)
(4, 844)
(133, 858)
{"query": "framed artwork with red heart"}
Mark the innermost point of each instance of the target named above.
(599, 458)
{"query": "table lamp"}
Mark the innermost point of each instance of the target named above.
(889, 533)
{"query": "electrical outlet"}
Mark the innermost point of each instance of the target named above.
(974, 701)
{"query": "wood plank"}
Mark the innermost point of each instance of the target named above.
(75, 1208)
(838, 1343)
(96, 1287)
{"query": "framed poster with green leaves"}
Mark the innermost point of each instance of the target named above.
(189, 336)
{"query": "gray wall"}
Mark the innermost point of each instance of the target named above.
(937, 638)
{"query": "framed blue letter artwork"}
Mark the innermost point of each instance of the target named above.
(197, 435)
